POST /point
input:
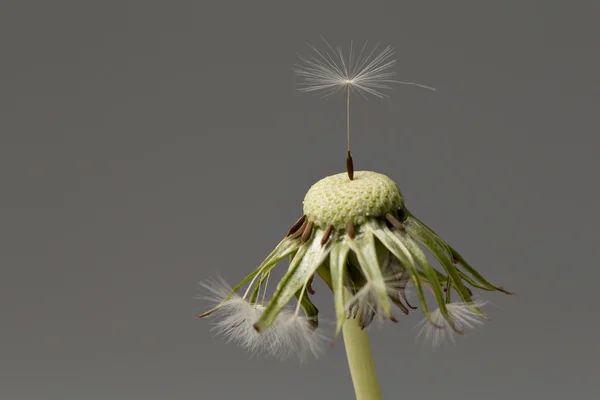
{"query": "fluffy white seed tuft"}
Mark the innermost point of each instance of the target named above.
(291, 335)
(367, 72)
(395, 283)
(463, 315)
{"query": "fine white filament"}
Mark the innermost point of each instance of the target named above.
(290, 335)
(462, 314)
(391, 271)
(367, 72)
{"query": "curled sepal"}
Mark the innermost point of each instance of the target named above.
(482, 283)
(430, 273)
(441, 251)
(474, 283)
(309, 257)
(337, 268)
(463, 263)
(283, 249)
(399, 250)
(364, 248)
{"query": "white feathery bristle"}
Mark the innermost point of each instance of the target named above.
(366, 297)
(290, 335)
(464, 318)
(330, 70)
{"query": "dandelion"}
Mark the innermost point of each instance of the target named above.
(358, 236)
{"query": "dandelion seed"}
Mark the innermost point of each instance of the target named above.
(369, 73)
(463, 314)
(290, 336)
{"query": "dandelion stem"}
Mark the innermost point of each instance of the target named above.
(358, 352)
(360, 360)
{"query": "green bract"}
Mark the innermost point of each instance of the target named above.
(358, 235)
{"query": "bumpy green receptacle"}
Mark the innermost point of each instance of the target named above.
(337, 200)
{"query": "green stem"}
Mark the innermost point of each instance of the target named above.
(360, 361)
(358, 352)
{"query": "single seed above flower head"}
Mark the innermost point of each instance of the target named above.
(367, 73)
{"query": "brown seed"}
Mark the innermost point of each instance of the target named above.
(395, 223)
(300, 231)
(351, 232)
(326, 235)
(297, 225)
(307, 232)
(350, 166)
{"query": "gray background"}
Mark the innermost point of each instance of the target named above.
(146, 146)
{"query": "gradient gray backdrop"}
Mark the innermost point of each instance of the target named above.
(146, 146)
